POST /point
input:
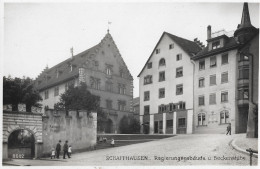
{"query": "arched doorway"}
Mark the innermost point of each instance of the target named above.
(21, 144)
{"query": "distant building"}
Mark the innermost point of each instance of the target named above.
(136, 107)
(104, 71)
(225, 81)
(166, 87)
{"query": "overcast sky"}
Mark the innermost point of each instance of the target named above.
(40, 34)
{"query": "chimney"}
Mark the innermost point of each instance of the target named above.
(209, 32)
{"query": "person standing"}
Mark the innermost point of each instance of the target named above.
(52, 153)
(112, 142)
(229, 129)
(65, 149)
(69, 151)
(58, 148)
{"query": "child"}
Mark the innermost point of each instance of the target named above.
(69, 151)
(112, 142)
(52, 153)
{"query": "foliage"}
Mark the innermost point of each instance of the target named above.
(78, 98)
(16, 90)
(129, 125)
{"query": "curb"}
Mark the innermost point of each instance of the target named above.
(233, 144)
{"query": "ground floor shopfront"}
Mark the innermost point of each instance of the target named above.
(177, 122)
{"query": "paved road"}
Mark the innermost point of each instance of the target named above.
(201, 149)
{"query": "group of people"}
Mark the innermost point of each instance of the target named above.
(66, 150)
(104, 140)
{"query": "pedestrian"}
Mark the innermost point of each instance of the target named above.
(104, 139)
(58, 148)
(69, 151)
(65, 149)
(229, 129)
(112, 142)
(52, 153)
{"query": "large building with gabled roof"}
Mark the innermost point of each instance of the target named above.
(104, 71)
(166, 86)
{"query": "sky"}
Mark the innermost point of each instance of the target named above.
(40, 34)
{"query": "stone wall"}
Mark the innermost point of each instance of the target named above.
(80, 129)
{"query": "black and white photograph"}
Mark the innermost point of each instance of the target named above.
(129, 83)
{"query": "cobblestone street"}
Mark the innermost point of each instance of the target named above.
(204, 149)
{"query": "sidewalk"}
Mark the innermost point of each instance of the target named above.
(241, 143)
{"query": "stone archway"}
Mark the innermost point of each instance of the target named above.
(21, 144)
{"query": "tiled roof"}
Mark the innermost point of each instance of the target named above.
(188, 46)
(63, 67)
(230, 44)
(192, 48)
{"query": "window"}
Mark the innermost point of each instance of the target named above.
(182, 105)
(146, 95)
(56, 91)
(216, 45)
(212, 80)
(157, 51)
(161, 76)
(162, 62)
(201, 82)
(243, 57)
(162, 108)
(109, 86)
(224, 77)
(179, 89)
(121, 105)
(169, 124)
(162, 93)
(171, 46)
(224, 117)
(212, 98)
(201, 119)
(95, 83)
(46, 94)
(181, 122)
(224, 97)
(179, 72)
(225, 59)
(243, 73)
(213, 61)
(122, 73)
(69, 84)
(109, 104)
(146, 110)
(243, 93)
(201, 64)
(149, 65)
(148, 79)
(108, 71)
(201, 100)
(179, 56)
(121, 88)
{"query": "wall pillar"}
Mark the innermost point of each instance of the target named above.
(164, 123)
(151, 124)
(174, 122)
(189, 121)
(38, 150)
(141, 118)
(251, 124)
(5, 150)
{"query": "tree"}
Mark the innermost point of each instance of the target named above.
(129, 125)
(18, 90)
(78, 98)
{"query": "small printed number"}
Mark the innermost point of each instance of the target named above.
(18, 155)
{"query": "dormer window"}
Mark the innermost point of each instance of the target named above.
(162, 62)
(215, 44)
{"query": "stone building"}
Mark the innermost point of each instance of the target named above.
(166, 86)
(104, 71)
(224, 78)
